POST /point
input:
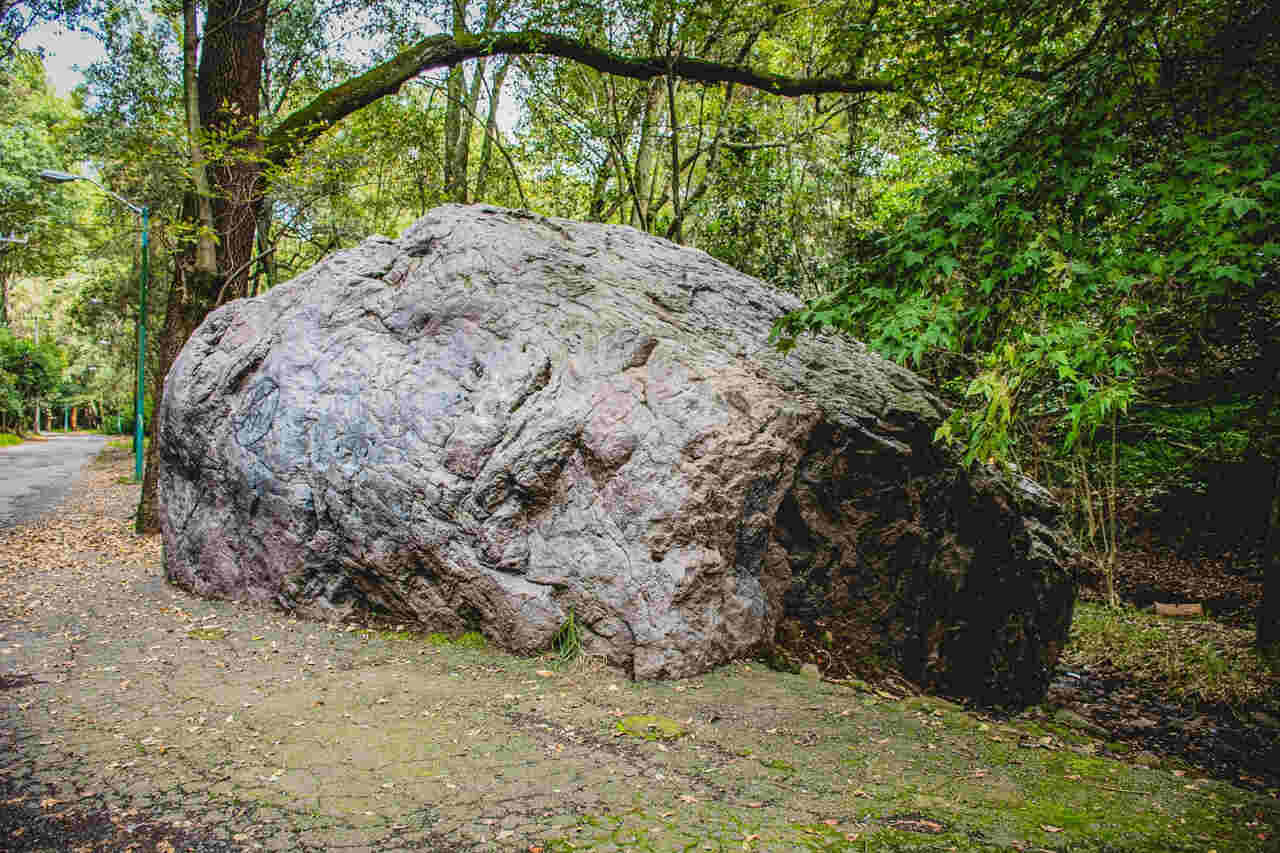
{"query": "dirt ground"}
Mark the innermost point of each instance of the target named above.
(136, 717)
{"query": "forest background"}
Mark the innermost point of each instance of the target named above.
(1062, 213)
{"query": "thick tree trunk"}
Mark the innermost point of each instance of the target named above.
(230, 73)
(191, 297)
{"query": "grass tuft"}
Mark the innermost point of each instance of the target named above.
(1193, 659)
(567, 642)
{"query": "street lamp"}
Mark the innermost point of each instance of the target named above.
(56, 177)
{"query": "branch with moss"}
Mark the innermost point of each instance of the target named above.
(442, 51)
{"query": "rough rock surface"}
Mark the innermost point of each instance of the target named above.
(500, 419)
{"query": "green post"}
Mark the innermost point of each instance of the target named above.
(65, 419)
(142, 351)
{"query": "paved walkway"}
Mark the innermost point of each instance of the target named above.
(36, 476)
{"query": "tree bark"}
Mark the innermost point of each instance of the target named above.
(227, 90)
(231, 62)
(206, 258)
(491, 130)
(455, 184)
(643, 182)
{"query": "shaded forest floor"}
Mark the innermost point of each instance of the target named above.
(136, 717)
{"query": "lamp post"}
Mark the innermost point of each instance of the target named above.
(56, 177)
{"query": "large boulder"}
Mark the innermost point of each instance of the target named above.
(501, 420)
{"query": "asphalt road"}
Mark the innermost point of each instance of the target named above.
(36, 476)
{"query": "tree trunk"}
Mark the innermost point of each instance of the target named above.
(228, 80)
(191, 298)
(230, 75)
(643, 182)
(462, 153)
(491, 130)
(455, 184)
(206, 257)
(676, 230)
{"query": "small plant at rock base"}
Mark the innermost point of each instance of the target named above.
(567, 642)
(471, 640)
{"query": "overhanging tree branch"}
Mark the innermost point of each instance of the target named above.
(441, 51)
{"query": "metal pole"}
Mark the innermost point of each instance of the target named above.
(142, 350)
(37, 396)
(66, 419)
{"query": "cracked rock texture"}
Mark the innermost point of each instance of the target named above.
(501, 419)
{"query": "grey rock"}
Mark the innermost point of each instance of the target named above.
(499, 419)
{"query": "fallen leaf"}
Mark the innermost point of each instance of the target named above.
(545, 673)
(755, 805)
(1047, 828)
(831, 822)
